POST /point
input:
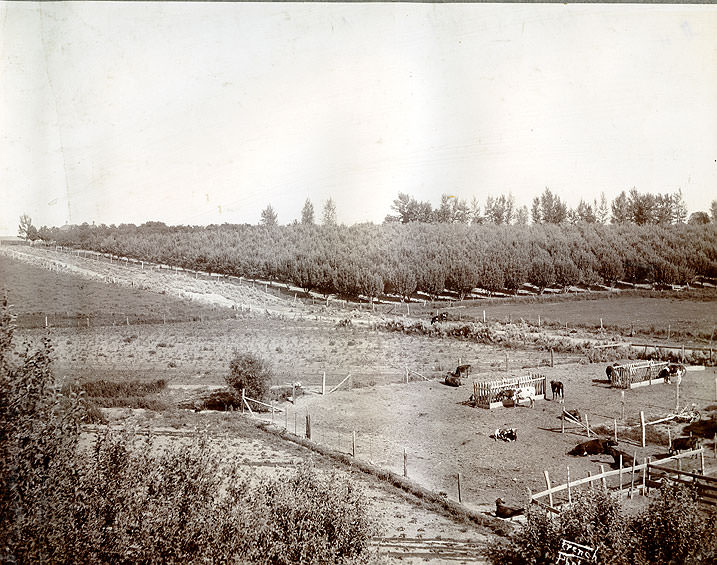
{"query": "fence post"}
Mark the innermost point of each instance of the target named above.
(405, 471)
(484, 316)
(601, 328)
(570, 497)
(702, 462)
(353, 444)
(644, 477)
(243, 400)
(562, 421)
(323, 384)
(460, 498)
(621, 474)
(308, 426)
(587, 424)
(128, 320)
(604, 480)
(642, 424)
(614, 421)
(547, 482)
(632, 479)
(669, 439)
(590, 482)
(406, 374)
(46, 326)
(622, 401)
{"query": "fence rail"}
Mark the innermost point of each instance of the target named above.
(632, 471)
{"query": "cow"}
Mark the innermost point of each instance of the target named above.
(463, 370)
(593, 447)
(627, 459)
(506, 434)
(609, 370)
(685, 443)
(503, 511)
(524, 393)
(672, 370)
(453, 380)
(558, 389)
(505, 394)
(442, 317)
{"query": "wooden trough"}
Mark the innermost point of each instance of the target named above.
(633, 375)
(489, 394)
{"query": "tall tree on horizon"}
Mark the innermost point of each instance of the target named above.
(307, 213)
(329, 215)
(268, 216)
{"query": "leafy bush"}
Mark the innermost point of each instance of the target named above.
(250, 372)
(672, 530)
(124, 500)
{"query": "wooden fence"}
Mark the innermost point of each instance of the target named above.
(631, 479)
(488, 394)
(632, 375)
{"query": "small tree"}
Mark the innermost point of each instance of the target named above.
(268, 216)
(26, 230)
(307, 213)
(329, 216)
(250, 372)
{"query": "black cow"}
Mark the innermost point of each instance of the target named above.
(558, 389)
(593, 447)
(684, 443)
(627, 459)
(504, 511)
(609, 370)
(453, 380)
(442, 317)
(463, 370)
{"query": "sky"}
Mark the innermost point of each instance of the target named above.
(200, 113)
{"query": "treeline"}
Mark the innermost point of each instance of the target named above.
(372, 260)
(548, 208)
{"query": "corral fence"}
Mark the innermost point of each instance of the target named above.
(490, 394)
(629, 480)
(632, 375)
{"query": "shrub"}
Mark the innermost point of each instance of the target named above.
(250, 372)
(672, 530)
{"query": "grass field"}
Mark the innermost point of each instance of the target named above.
(692, 317)
(69, 300)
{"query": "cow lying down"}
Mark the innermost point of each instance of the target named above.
(593, 447)
(506, 434)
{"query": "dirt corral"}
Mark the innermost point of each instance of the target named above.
(443, 434)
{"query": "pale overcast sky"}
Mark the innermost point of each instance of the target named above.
(198, 113)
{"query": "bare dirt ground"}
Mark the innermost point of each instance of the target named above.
(443, 435)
